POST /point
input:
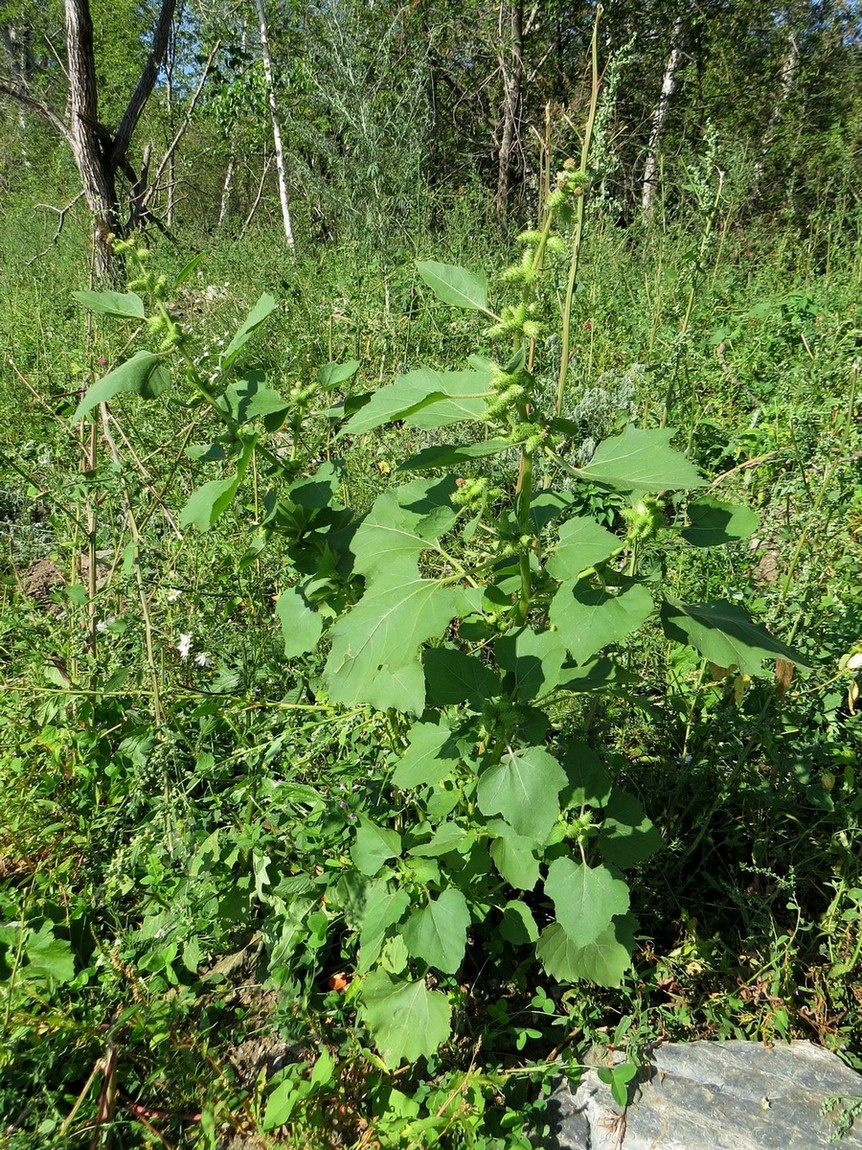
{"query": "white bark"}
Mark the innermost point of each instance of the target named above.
(669, 86)
(276, 130)
(789, 70)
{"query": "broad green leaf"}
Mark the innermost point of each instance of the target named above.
(280, 1104)
(641, 460)
(248, 398)
(331, 374)
(453, 677)
(627, 836)
(407, 1020)
(424, 398)
(408, 393)
(447, 838)
(438, 932)
(582, 543)
(48, 957)
(301, 627)
(585, 898)
(373, 845)
(383, 909)
(513, 856)
(463, 396)
(124, 305)
(375, 654)
(205, 505)
(427, 760)
(523, 788)
(258, 314)
(453, 455)
(603, 962)
(591, 618)
(599, 675)
(713, 522)
(392, 531)
(726, 635)
(589, 779)
(455, 285)
(518, 925)
(534, 659)
(145, 374)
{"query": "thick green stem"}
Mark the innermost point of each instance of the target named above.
(525, 497)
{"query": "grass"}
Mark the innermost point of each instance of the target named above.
(153, 971)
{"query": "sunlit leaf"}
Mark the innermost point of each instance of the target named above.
(455, 285)
(523, 788)
(591, 618)
(145, 374)
(640, 460)
(585, 898)
(123, 305)
(407, 1020)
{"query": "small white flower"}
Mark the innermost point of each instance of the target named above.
(184, 646)
(202, 658)
(172, 594)
(104, 624)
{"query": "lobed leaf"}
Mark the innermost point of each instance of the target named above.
(407, 1020)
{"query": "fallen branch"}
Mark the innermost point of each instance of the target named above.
(61, 212)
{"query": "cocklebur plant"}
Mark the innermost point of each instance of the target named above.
(467, 607)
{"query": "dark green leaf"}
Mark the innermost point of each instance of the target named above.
(726, 635)
(144, 374)
(627, 836)
(713, 522)
(453, 678)
(438, 932)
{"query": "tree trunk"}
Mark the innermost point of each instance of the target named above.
(276, 130)
(512, 83)
(670, 84)
(789, 70)
(89, 140)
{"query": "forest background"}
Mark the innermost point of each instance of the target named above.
(247, 899)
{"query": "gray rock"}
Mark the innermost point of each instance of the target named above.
(714, 1096)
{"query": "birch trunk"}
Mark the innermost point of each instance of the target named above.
(789, 70)
(669, 87)
(276, 130)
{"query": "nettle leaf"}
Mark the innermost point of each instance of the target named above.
(300, 625)
(641, 460)
(123, 305)
(590, 618)
(375, 654)
(407, 1020)
(428, 759)
(523, 788)
(373, 845)
(205, 505)
(402, 524)
(535, 659)
(627, 836)
(582, 543)
(725, 634)
(513, 856)
(455, 285)
(603, 962)
(585, 898)
(438, 932)
(145, 374)
(713, 522)
(258, 315)
(453, 677)
(383, 908)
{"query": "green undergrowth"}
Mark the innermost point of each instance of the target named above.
(205, 809)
